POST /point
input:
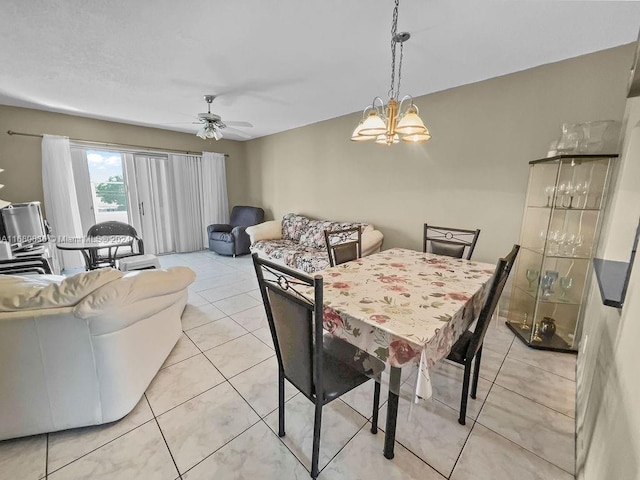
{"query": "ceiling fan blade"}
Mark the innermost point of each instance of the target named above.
(237, 132)
(178, 123)
(238, 124)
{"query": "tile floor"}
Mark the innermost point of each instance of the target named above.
(210, 413)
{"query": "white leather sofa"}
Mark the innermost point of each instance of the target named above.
(82, 350)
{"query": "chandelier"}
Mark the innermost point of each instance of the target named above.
(389, 123)
(209, 130)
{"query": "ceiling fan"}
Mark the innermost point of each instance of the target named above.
(212, 124)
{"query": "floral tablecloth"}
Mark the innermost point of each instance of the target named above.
(405, 307)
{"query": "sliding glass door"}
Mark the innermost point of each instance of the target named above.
(168, 198)
(150, 206)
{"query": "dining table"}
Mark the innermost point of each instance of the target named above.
(406, 308)
(88, 246)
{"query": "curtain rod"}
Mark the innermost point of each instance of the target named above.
(39, 135)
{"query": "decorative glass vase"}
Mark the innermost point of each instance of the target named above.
(572, 136)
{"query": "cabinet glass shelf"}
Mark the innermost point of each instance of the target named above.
(559, 232)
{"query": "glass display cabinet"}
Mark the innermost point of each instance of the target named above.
(559, 233)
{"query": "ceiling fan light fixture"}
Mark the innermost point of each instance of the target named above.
(209, 130)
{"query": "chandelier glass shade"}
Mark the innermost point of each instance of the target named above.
(388, 124)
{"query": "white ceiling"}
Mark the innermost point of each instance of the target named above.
(278, 64)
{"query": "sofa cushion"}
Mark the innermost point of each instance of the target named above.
(48, 291)
(293, 226)
(313, 236)
(311, 260)
(283, 250)
(293, 254)
(271, 230)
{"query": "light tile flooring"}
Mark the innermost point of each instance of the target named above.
(210, 413)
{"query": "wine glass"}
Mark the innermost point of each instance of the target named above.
(532, 276)
(550, 276)
(576, 244)
(566, 284)
(582, 192)
(567, 194)
(549, 191)
(555, 239)
(568, 242)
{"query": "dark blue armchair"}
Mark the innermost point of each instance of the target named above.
(232, 239)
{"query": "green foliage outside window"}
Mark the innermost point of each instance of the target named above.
(112, 192)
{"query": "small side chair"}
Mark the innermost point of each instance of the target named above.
(343, 245)
(322, 367)
(452, 242)
(469, 345)
(103, 257)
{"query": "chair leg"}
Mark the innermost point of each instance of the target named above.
(316, 439)
(465, 392)
(281, 404)
(476, 373)
(376, 405)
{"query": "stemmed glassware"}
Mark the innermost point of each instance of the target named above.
(582, 192)
(549, 191)
(566, 284)
(532, 276)
(550, 276)
(555, 238)
(565, 192)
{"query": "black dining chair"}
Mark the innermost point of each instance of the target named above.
(469, 345)
(343, 245)
(451, 242)
(103, 257)
(322, 367)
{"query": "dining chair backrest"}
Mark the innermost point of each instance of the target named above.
(292, 302)
(498, 282)
(343, 245)
(452, 242)
(113, 228)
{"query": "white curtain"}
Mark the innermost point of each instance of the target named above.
(83, 187)
(153, 180)
(187, 202)
(60, 199)
(215, 203)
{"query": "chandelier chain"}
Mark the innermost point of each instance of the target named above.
(394, 31)
(399, 71)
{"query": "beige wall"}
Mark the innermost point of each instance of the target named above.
(473, 172)
(21, 156)
(607, 413)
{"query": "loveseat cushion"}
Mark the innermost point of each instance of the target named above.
(293, 254)
(313, 236)
(49, 291)
(293, 226)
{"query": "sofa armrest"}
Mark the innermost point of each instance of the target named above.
(241, 239)
(132, 288)
(371, 242)
(219, 227)
(271, 230)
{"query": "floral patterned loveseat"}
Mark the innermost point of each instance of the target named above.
(298, 241)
